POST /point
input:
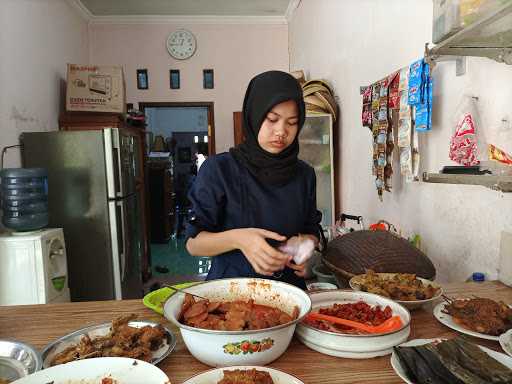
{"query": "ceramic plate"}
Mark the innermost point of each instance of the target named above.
(448, 321)
(506, 341)
(395, 363)
(101, 330)
(356, 281)
(91, 371)
(215, 375)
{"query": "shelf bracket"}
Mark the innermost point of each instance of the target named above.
(460, 61)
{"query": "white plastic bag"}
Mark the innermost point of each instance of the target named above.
(300, 247)
(467, 145)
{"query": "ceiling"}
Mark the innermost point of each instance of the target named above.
(187, 7)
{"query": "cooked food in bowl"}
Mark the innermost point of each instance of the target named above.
(359, 312)
(122, 341)
(245, 346)
(246, 376)
(397, 286)
(480, 315)
(235, 315)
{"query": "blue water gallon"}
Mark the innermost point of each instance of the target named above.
(24, 198)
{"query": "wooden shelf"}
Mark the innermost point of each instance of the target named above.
(497, 183)
(491, 37)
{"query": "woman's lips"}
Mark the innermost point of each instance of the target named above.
(277, 144)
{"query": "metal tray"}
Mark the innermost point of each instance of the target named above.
(93, 331)
(17, 360)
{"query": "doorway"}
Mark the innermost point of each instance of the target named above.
(176, 135)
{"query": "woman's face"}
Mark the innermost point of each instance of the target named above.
(280, 127)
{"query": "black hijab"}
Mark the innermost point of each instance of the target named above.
(264, 92)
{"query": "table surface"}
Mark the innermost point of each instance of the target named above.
(42, 324)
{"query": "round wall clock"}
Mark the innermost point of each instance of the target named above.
(181, 44)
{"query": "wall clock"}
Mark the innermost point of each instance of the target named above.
(181, 44)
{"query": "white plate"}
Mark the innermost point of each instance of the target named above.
(506, 341)
(448, 321)
(93, 331)
(215, 375)
(354, 283)
(395, 363)
(91, 371)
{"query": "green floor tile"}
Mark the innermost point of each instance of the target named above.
(176, 259)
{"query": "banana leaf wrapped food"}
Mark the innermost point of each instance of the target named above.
(453, 361)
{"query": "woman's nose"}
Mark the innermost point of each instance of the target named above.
(280, 130)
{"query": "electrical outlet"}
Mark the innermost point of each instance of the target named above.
(505, 271)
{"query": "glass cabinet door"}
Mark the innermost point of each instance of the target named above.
(316, 149)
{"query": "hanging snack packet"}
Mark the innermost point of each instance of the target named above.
(415, 82)
(499, 155)
(403, 81)
(366, 114)
(415, 149)
(394, 95)
(404, 133)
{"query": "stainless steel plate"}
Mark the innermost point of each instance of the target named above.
(101, 330)
(18, 359)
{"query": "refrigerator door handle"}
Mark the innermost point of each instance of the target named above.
(121, 218)
(113, 162)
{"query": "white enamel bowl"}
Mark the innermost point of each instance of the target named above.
(350, 345)
(257, 347)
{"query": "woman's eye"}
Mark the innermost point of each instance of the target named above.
(272, 120)
(292, 123)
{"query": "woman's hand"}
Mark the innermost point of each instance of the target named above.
(264, 258)
(299, 269)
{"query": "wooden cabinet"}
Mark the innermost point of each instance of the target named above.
(162, 200)
(238, 124)
(73, 121)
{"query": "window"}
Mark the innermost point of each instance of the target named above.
(196, 139)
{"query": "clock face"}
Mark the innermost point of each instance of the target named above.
(181, 44)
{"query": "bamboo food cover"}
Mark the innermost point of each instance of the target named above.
(352, 254)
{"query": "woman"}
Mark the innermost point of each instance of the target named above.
(247, 202)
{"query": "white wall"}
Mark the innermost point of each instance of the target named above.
(37, 39)
(236, 52)
(356, 42)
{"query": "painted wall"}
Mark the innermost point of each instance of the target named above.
(37, 39)
(355, 42)
(235, 52)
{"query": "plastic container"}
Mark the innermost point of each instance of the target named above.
(155, 300)
(323, 274)
(24, 197)
(476, 277)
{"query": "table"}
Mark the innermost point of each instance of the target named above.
(41, 324)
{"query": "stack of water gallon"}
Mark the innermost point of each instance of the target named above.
(24, 197)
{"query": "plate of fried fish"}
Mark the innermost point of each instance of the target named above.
(123, 337)
(478, 316)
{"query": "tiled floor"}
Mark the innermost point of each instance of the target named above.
(172, 263)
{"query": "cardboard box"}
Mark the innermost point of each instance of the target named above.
(95, 88)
